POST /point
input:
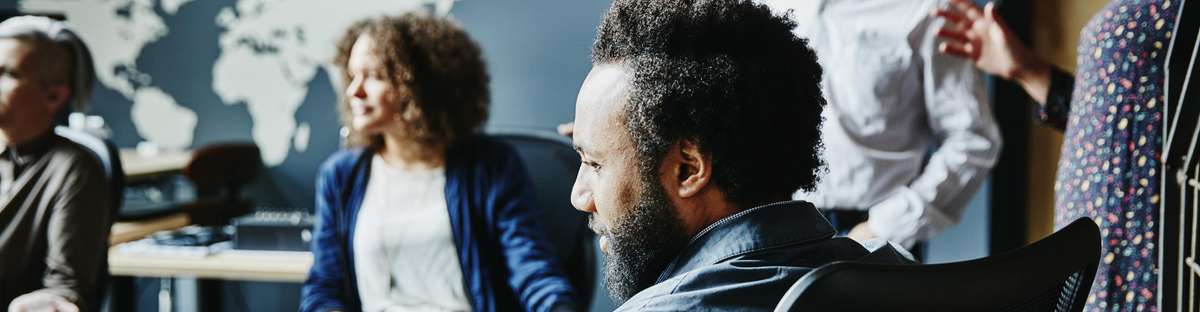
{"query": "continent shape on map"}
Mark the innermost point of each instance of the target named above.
(270, 51)
(116, 32)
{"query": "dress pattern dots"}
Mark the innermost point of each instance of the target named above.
(1113, 144)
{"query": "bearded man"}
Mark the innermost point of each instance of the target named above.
(696, 124)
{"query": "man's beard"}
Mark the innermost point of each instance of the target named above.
(642, 243)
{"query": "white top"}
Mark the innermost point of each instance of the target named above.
(404, 253)
(893, 98)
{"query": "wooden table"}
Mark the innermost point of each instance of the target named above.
(128, 231)
(141, 167)
(231, 265)
(244, 265)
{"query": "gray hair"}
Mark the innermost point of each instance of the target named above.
(43, 29)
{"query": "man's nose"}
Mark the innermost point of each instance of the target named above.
(581, 194)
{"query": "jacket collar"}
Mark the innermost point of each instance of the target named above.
(755, 229)
(23, 153)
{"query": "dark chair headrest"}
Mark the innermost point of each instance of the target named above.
(219, 164)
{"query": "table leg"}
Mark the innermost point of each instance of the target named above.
(166, 294)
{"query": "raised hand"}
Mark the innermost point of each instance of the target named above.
(982, 37)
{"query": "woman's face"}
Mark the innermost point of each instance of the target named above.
(372, 96)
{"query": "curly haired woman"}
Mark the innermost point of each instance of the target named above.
(422, 213)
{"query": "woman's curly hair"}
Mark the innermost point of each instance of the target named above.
(437, 65)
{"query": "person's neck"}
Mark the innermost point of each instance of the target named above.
(17, 135)
(711, 207)
(406, 154)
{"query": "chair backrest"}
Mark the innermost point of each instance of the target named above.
(216, 167)
(552, 163)
(109, 156)
(218, 172)
(1053, 274)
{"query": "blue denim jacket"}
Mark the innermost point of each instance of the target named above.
(506, 261)
(747, 261)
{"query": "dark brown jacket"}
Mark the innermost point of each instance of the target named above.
(54, 220)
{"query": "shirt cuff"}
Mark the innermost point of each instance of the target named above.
(904, 218)
(1057, 108)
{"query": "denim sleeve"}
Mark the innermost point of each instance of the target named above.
(322, 291)
(536, 277)
(1057, 108)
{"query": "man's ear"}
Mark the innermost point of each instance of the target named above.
(58, 95)
(694, 170)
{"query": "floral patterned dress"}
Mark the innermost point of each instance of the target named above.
(1112, 112)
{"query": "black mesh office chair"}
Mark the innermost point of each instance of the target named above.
(1053, 274)
(109, 156)
(552, 164)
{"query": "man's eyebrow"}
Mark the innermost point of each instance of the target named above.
(585, 151)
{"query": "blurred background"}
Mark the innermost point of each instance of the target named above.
(179, 74)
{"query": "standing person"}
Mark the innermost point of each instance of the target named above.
(53, 229)
(424, 213)
(892, 100)
(697, 122)
(1111, 115)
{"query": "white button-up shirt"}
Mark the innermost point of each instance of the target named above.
(892, 99)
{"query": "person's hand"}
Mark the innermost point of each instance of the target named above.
(567, 129)
(41, 302)
(983, 38)
(861, 232)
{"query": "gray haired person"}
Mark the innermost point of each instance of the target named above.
(53, 227)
